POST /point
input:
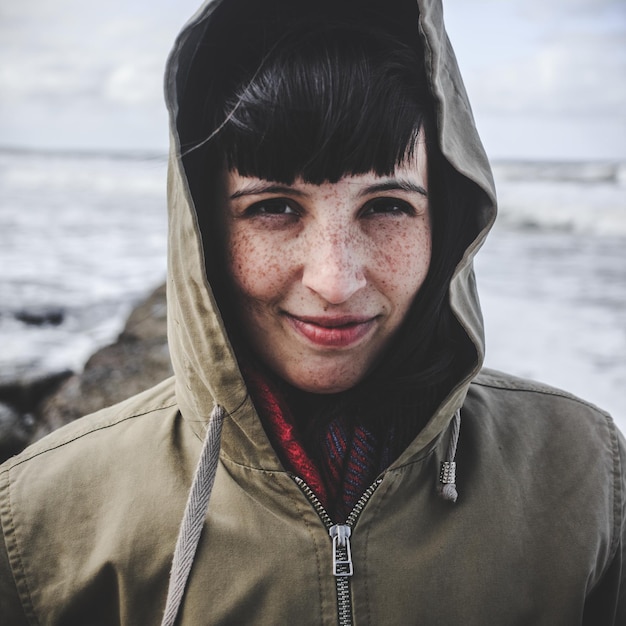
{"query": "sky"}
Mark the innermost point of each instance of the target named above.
(546, 78)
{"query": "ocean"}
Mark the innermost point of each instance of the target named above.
(83, 239)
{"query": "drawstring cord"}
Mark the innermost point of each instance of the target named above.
(447, 474)
(193, 519)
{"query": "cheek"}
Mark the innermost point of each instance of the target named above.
(404, 258)
(254, 266)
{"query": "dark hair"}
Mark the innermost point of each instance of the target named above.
(326, 102)
(333, 101)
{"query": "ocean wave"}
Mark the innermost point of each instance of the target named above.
(561, 171)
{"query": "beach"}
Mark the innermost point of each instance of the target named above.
(83, 240)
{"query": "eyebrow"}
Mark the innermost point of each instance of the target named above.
(256, 189)
(394, 184)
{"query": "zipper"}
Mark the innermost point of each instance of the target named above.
(340, 534)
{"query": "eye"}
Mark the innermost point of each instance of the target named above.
(388, 206)
(272, 206)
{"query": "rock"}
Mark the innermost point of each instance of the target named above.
(138, 360)
(33, 406)
(26, 393)
(20, 400)
(16, 431)
(46, 316)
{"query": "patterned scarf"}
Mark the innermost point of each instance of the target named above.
(338, 465)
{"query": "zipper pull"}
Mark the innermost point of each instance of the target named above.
(342, 554)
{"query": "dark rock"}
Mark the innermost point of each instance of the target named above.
(138, 360)
(34, 406)
(16, 431)
(20, 400)
(26, 393)
(48, 316)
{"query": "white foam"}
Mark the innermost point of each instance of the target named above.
(577, 197)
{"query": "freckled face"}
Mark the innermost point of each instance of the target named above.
(324, 275)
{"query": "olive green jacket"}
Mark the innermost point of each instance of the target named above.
(90, 515)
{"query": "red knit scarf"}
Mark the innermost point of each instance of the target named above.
(338, 468)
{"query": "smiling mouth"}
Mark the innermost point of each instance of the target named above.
(333, 332)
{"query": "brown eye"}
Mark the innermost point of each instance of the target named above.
(272, 206)
(391, 206)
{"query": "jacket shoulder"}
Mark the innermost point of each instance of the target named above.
(555, 438)
(69, 501)
(539, 417)
(496, 382)
(113, 418)
(536, 415)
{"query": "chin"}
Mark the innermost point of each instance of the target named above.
(323, 382)
(323, 389)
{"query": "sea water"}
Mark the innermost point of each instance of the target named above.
(83, 237)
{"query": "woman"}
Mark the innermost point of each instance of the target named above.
(327, 193)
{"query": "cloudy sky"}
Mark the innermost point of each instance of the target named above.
(547, 78)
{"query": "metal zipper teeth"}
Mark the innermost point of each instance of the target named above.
(344, 602)
(360, 505)
(321, 511)
(344, 596)
(313, 499)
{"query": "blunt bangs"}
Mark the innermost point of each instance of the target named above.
(324, 104)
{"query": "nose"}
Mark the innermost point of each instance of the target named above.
(334, 267)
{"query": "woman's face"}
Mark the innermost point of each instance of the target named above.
(324, 275)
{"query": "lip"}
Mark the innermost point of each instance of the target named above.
(341, 331)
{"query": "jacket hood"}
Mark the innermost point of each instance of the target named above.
(197, 335)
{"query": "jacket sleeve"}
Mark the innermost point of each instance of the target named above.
(606, 605)
(11, 609)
